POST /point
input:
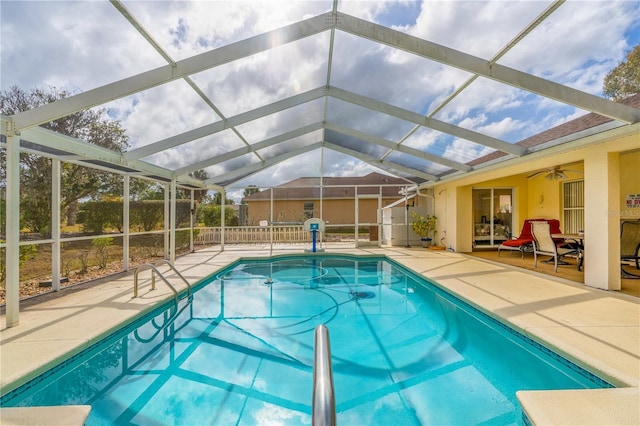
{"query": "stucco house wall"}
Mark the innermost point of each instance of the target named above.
(611, 172)
(334, 211)
(629, 182)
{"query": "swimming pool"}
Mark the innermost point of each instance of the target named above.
(404, 352)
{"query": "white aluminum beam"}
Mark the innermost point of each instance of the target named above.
(383, 164)
(172, 222)
(143, 32)
(12, 207)
(512, 43)
(85, 151)
(55, 140)
(397, 147)
(497, 72)
(167, 73)
(247, 149)
(230, 122)
(432, 123)
(253, 168)
(138, 26)
(56, 187)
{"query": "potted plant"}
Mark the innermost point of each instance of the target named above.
(424, 226)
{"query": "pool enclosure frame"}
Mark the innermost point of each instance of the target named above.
(22, 132)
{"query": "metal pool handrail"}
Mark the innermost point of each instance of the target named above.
(324, 402)
(152, 266)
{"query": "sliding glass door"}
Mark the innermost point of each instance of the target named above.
(492, 216)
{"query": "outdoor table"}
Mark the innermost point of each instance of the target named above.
(578, 239)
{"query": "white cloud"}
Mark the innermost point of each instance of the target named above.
(160, 112)
(83, 45)
(479, 28)
(422, 138)
(75, 45)
(463, 151)
(577, 36)
(190, 27)
(270, 415)
(500, 128)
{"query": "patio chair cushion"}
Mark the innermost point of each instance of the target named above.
(526, 238)
(630, 241)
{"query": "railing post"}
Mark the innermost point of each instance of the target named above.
(324, 404)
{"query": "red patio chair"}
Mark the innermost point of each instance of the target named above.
(525, 239)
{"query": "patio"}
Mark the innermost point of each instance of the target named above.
(599, 330)
(568, 272)
(481, 134)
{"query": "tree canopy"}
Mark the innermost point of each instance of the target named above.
(249, 190)
(92, 126)
(624, 80)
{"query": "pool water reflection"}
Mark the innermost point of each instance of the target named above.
(241, 352)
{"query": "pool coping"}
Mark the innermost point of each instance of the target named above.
(65, 415)
(508, 294)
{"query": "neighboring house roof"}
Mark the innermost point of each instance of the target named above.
(294, 190)
(577, 125)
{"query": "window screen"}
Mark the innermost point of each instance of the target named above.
(573, 206)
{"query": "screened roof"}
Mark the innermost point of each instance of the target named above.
(263, 92)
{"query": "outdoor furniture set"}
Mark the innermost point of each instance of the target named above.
(630, 246)
(543, 236)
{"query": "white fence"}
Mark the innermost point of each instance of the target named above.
(253, 234)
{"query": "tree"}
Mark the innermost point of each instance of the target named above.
(217, 199)
(210, 215)
(92, 126)
(249, 190)
(624, 80)
(200, 194)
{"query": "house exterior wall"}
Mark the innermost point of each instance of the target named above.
(611, 172)
(334, 211)
(629, 182)
(602, 228)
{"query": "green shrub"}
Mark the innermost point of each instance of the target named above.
(209, 214)
(147, 214)
(102, 250)
(27, 252)
(99, 215)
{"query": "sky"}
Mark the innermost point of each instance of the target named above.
(82, 45)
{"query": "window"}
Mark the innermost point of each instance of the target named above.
(308, 210)
(573, 206)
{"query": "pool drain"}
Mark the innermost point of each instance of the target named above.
(362, 294)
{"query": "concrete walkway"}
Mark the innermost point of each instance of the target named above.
(596, 329)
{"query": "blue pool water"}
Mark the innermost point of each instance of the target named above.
(241, 353)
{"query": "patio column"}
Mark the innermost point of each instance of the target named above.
(172, 226)
(56, 172)
(126, 222)
(460, 227)
(12, 251)
(167, 231)
(601, 220)
(223, 196)
(192, 216)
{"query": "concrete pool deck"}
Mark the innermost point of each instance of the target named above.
(596, 329)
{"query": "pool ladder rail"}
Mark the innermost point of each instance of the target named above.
(153, 268)
(324, 400)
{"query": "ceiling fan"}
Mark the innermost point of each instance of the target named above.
(552, 173)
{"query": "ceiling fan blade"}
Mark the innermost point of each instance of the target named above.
(535, 174)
